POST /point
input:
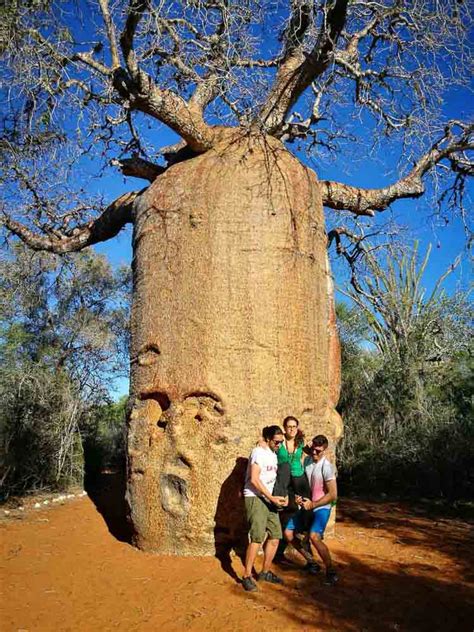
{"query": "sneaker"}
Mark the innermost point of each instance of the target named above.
(270, 577)
(248, 584)
(312, 568)
(331, 577)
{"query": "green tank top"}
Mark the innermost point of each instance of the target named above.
(293, 458)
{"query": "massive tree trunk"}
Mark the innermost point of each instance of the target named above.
(233, 328)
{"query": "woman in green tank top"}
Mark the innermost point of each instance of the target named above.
(291, 451)
(292, 454)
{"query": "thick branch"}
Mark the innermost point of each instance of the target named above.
(139, 168)
(339, 196)
(139, 89)
(166, 106)
(136, 9)
(298, 70)
(106, 226)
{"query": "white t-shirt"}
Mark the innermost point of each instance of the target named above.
(268, 462)
(318, 474)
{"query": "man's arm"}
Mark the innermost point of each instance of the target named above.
(329, 496)
(260, 487)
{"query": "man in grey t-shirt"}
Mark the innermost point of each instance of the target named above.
(322, 481)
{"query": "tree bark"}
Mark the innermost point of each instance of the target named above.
(106, 226)
(232, 330)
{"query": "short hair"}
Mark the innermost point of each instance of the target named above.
(270, 431)
(320, 440)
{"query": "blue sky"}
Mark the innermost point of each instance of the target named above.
(356, 168)
(448, 241)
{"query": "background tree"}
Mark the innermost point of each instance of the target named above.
(103, 431)
(232, 223)
(407, 383)
(63, 342)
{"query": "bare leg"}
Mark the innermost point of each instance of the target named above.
(321, 548)
(269, 553)
(250, 555)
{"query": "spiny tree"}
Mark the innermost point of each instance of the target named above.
(229, 239)
(405, 395)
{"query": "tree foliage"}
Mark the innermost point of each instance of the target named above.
(407, 384)
(63, 339)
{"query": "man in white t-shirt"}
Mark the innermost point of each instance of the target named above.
(261, 506)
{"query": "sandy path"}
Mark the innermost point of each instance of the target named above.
(63, 570)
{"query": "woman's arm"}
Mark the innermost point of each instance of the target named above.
(304, 454)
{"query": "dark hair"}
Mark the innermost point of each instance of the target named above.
(320, 440)
(270, 431)
(299, 437)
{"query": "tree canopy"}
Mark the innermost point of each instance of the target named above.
(63, 340)
(102, 79)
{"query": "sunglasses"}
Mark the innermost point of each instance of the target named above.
(277, 442)
(318, 450)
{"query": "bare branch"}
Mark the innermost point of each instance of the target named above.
(303, 128)
(142, 93)
(139, 168)
(107, 225)
(360, 201)
(300, 21)
(255, 63)
(88, 60)
(136, 9)
(110, 28)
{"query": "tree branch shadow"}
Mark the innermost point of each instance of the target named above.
(413, 526)
(372, 600)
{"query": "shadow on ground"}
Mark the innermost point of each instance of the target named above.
(375, 600)
(107, 491)
(378, 590)
(414, 526)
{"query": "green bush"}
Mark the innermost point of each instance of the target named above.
(104, 435)
(63, 339)
(407, 387)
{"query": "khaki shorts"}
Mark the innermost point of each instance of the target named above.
(261, 519)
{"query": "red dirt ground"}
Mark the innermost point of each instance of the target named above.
(400, 570)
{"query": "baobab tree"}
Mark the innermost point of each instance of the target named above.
(232, 321)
